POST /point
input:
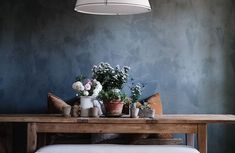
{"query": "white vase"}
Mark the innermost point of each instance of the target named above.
(86, 102)
(134, 112)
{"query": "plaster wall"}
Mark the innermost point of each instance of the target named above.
(184, 49)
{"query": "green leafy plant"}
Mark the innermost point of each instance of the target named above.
(110, 77)
(145, 106)
(136, 91)
(112, 95)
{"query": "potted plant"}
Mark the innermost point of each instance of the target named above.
(88, 90)
(136, 91)
(113, 101)
(146, 111)
(112, 80)
(110, 77)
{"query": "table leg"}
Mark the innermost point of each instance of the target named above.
(6, 137)
(202, 138)
(190, 139)
(31, 138)
(41, 139)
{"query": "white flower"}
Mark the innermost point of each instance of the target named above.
(82, 88)
(85, 93)
(116, 90)
(118, 67)
(98, 87)
(94, 67)
(115, 76)
(95, 93)
(97, 90)
(87, 86)
(95, 81)
(78, 86)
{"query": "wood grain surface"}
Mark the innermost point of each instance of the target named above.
(180, 118)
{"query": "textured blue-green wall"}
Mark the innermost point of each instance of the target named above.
(184, 49)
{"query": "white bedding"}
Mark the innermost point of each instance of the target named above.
(112, 148)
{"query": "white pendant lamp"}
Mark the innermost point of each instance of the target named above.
(112, 7)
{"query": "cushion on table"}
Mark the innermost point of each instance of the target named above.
(55, 104)
(111, 148)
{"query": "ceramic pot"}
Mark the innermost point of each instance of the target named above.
(126, 109)
(66, 111)
(134, 112)
(86, 102)
(74, 111)
(94, 112)
(114, 108)
(147, 113)
(150, 113)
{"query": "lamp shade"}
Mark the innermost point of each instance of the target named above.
(112, 7)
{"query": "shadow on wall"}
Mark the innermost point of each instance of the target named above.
(229, 71)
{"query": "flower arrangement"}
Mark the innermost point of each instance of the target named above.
(106, 85)
(110, 77)
(87, 87)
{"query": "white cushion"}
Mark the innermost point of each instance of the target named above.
(112, 148)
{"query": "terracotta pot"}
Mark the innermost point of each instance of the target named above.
(114, 108)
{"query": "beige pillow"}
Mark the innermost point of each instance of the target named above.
(55, 104)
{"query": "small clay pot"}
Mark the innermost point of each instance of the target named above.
(134, 112)
(147, 113)
(114, 108)
(94, 112)
(75, 110)
(66, 111)
(150, 113)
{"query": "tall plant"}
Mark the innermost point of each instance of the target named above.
(136, 91)
(110, 77)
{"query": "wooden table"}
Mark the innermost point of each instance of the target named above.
(189, 124)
